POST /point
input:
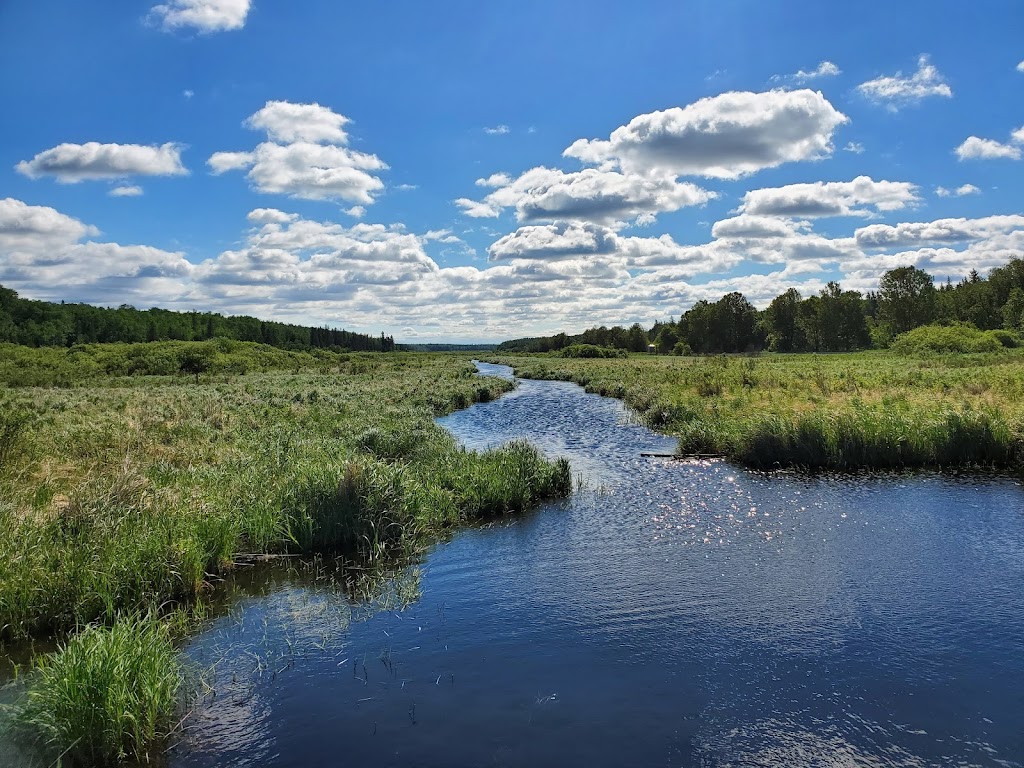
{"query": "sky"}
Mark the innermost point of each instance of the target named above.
(479, 171)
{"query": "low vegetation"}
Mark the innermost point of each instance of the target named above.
(864, 410)
(124, 492)
(590, 350)
(943, 339)
(108, 694)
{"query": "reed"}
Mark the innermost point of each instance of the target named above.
(106, 695)
(864, 410)
(122, 496)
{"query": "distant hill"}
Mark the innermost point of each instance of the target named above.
(46, 324)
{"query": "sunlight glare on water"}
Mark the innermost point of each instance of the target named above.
(684, 613)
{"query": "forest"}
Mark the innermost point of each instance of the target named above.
(46, 324)
(834, 320)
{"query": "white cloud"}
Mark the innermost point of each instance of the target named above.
(895, 91)
(1017, 137)
(71, 163)
(286, 123)
(498, 130)
(824, 69)
(941, 231)
(126, 190)
(854, 146)
(305, 156)
(202, 15)
(41, 250)
(1020, 67)
(495, 180)
(600, 196)
(406, 187)
(726, 136)
(755, 227)
(833, 198)
(974, 148)
(553, 241)
(961, 191)
(356, 211)
(541, 278)
(188, 93)
(478, 210)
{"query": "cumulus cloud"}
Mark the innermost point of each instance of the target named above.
(202, 15)
(974, 148)
(961, 191)
(553, 241)
(941, 231)
(899, 90)
(1020, 67)
(497, 130)
(601, 196)
(854, 146)
(495, 180)
(833, 198)
(71, 163)
(126, 190)
(540, 279)
(824, 69)
(726, 136)
(41, 250)
(285, 122)
(305, 156)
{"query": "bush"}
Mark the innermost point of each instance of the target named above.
(948, 339)
(591, 350)
(682, 349)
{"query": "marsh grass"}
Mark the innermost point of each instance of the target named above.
(107, 694)
(124, 495)
(864, 410)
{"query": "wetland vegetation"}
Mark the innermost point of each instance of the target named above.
(874, 409)
(122, 496)
(136, 476)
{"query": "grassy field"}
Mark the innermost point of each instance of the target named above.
(870, 409)
(123, 495)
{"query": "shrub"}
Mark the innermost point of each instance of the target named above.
(946, 339)
(682, 349)
(591, 350)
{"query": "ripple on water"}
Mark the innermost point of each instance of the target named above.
(670, 612)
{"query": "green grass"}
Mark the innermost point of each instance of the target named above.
(130, 494)
(108, 694)
(863, 410)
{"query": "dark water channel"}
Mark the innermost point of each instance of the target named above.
(669, 614)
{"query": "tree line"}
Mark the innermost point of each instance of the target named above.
(833, 320)
(46, 324)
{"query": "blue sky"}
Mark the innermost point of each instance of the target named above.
(480, 171)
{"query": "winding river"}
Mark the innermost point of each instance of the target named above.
(671, 613)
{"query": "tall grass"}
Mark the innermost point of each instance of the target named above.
(863, 410)
(130, 494)
(107, 694)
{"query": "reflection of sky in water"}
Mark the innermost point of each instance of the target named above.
(682, 613)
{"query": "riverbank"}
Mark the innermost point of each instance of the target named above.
(125, 494)
(846, 411)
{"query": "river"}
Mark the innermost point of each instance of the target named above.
(671, 613)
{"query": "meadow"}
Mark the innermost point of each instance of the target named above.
(134, 477)
(877, 409)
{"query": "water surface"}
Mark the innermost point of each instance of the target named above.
(668, 614)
